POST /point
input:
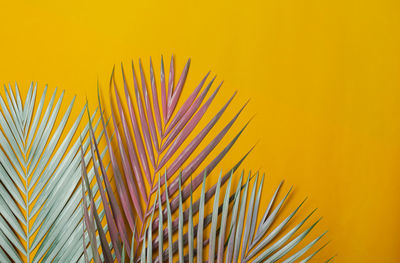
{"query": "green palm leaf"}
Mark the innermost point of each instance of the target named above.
(39, 178)
(273, 244)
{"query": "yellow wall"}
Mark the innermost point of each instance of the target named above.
(323, 78)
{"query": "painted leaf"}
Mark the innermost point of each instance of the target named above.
(281, 241)
(160, 145)
(158, 134)
(40, 175)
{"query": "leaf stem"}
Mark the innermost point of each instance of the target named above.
(27, 222)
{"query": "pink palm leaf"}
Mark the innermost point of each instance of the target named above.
(153, 138)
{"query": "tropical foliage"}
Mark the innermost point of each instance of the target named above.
(151, 163)
(235, 237)
(40, 190)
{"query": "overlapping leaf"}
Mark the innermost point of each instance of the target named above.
(233, 231)
(153, 137)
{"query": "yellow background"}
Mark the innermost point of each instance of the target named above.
(323, 79)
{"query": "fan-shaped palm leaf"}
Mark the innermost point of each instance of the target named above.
(40, 218)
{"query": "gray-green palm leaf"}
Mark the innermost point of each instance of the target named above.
(232, 231)
(40, 218)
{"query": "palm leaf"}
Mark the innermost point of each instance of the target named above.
(148, 140)
(151, 138)
(40, 218)
(275, 243)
